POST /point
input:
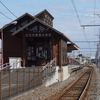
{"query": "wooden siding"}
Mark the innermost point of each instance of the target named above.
(15, 46)
(64, 52)
(12, 47)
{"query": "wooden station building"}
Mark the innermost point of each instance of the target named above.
(34, 39)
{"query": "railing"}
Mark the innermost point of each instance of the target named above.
(20, 80)
(11, 65)
(48, 69)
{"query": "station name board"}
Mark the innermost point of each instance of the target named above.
(37, 34)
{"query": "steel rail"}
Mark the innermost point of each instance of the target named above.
(86, 87)
(70, 86)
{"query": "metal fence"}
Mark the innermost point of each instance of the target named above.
(14, 81)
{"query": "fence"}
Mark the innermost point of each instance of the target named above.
(14, 81)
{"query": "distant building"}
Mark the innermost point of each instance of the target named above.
(93, 60)
(83, 60)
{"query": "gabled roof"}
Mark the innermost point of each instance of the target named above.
(24, 16)
(5, 26)
(43, 12)
(36, 20)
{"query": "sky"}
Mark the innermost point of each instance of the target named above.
(65, 16)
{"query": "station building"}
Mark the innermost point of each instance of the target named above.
(35, 41)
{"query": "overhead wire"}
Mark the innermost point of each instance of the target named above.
(94, 17)
(6, 16)
(80, 22)
(22, 5)
(8, 9)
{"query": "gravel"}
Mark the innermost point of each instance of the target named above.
(93, 92)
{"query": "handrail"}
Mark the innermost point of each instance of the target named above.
(50, 63)
(7, 65)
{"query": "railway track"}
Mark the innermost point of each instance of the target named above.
(77, 90)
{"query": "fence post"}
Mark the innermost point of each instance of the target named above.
(9, 83)
(33, 76)
(29, 79)
(23, 79)
(0, 85)
(55, 62)
(38, 76)
(17, 82)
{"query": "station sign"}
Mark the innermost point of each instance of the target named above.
(37, 34)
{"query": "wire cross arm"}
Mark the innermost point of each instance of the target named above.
(88, 25)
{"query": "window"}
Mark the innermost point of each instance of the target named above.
(24, 23)
(34, 28)
(19, 27)
(41, 28)
(13, 29)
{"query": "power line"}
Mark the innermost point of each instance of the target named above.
(76, 11)
(21, 4)
(94, 6)
(6, 16)
(88, 48)
(85, 41)
(94, 16)
(80, 22)
(8, 9)
(87, 51)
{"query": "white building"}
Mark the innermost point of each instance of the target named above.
(83, 60)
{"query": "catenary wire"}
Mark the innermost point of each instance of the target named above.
(94, 17)
(5, 16)
(8, 9)
(80, 22)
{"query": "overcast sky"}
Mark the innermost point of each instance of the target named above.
(65, 18)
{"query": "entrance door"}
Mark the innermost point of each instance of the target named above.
(38, 51)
